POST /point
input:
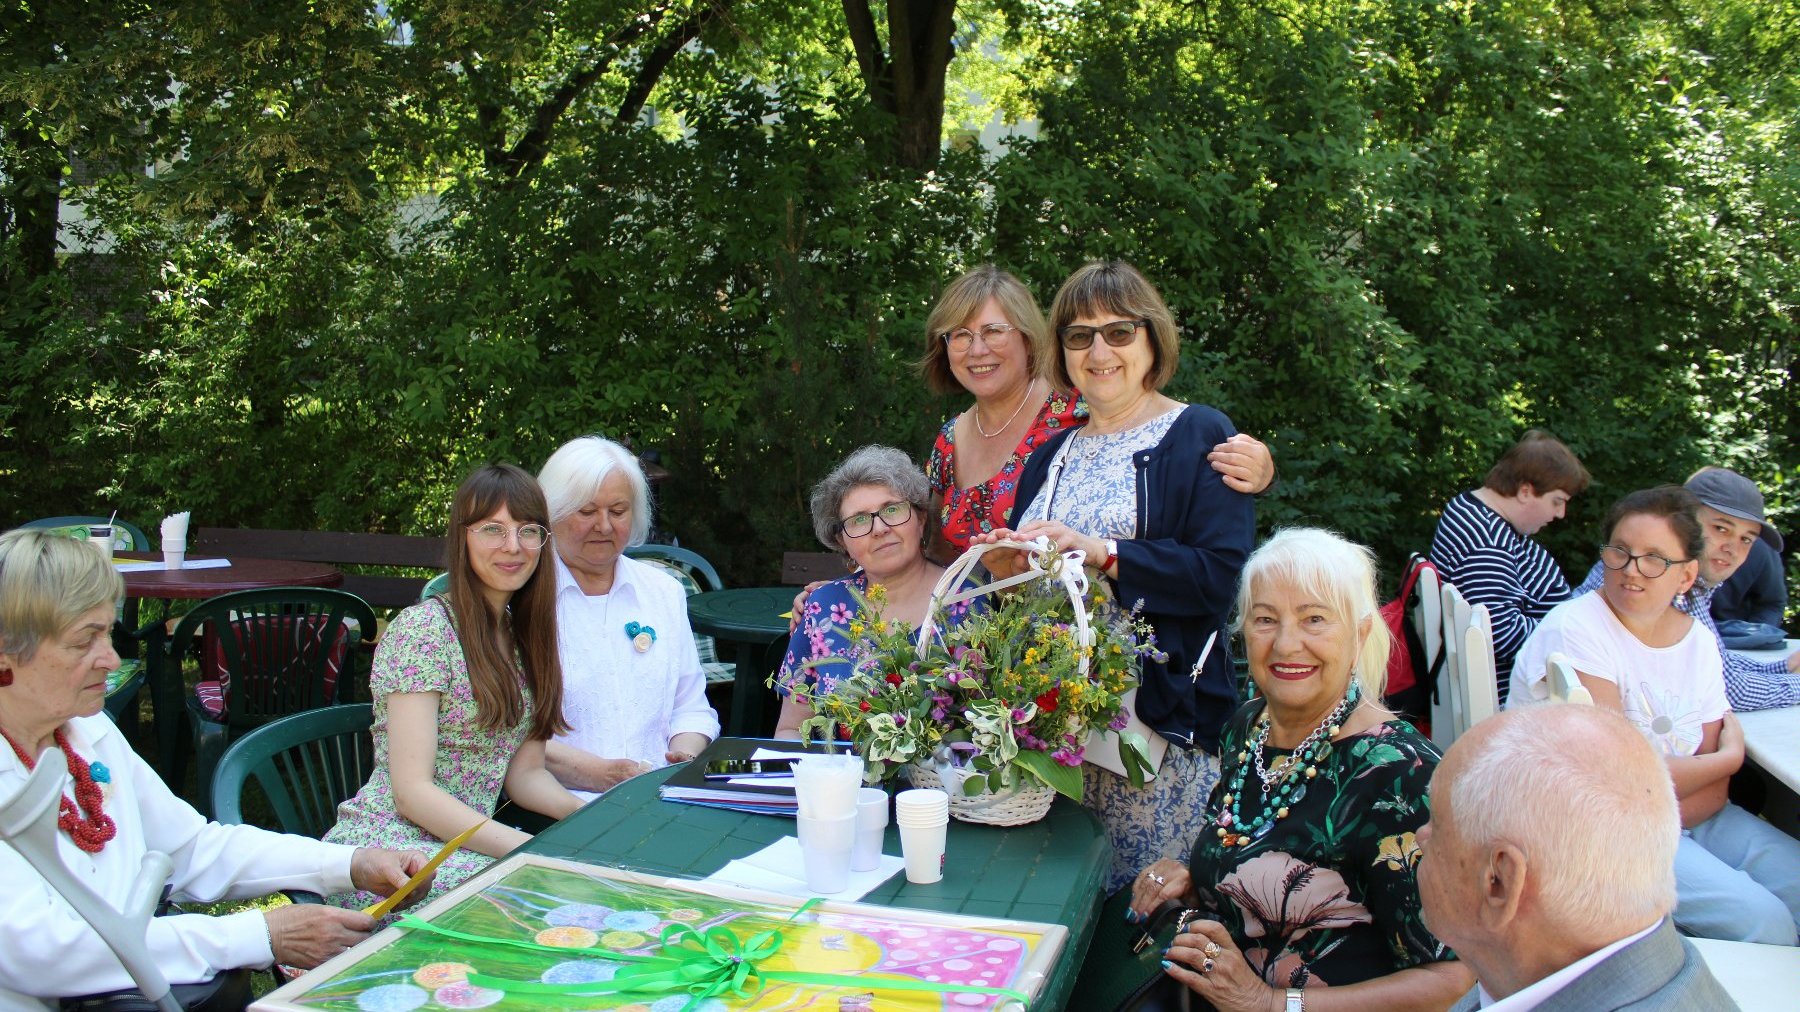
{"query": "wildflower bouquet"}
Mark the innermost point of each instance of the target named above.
(1006, 697)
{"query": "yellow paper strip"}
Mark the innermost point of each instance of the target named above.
(381, 909)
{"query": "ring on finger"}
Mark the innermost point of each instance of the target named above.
(1154, 877)
(1206, 967)
(1211, 950)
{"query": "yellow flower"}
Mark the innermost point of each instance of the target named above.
(1399, 852)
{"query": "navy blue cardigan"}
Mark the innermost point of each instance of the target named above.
(1193, 535)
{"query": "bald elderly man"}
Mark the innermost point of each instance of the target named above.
(1549, 868)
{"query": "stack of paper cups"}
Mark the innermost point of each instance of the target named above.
(825, 789)
(922, 816)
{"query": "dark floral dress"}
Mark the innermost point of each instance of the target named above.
(966, 511)
(1329, 896)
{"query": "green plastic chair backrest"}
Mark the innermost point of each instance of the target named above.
(275, 648)
(126, 535)
(696, 565)
(305, 764)
(439, 584)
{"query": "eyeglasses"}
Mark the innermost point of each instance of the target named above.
(493, 534)
(1649, 565)
(894, 514)
(1118, 333)
(962, 338)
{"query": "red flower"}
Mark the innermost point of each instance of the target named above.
(863, 706)
(1047, 701)
(893, 678)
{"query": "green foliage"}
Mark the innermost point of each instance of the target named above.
(1395, 234)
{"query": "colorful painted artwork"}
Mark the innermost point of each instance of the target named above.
(534, 932)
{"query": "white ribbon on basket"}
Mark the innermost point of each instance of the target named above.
(1043, 561)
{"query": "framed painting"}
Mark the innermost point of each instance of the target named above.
(534, 932)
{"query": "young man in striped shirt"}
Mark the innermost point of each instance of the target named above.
(1483, 543)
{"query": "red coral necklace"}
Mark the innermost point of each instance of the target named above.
(92, 832)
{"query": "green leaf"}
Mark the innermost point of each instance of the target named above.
(1064, 780)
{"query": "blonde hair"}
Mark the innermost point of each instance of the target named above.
(47, 581)
(961, 300)
(1337, 573)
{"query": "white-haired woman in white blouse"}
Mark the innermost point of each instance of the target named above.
(633, 689)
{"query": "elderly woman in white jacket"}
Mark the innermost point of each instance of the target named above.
(634, 693)
(56, 616)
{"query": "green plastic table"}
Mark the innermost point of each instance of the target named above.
(1049, 871)
(750, 619)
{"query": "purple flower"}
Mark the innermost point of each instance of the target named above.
(1118, 723)
(1019, 716)
(840, 613)
(813, 608)
(1066, 757)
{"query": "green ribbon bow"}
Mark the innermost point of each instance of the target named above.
(713, 963)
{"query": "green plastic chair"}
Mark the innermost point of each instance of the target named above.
(126, 535)
(263, 654)
(703, 575)
(439, 584)
(305, 765)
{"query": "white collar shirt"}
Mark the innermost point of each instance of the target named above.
(1528, 998)
(622, 702)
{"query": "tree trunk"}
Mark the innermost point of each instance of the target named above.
(908, 81)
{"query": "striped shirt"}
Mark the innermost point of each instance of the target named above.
(1491, 563)
(1750, 684)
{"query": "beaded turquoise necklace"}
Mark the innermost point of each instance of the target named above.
(1286, 782)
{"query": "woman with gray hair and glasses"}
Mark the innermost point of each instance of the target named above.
(874, 509)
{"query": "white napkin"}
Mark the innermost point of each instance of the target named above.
(777, 869)
(175, 528)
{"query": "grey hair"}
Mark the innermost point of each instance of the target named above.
(871, 465)
(1338, 574)
(47, 581)
(575, 471)
(1588, 800)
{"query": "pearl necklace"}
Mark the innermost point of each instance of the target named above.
(1009, 419)
(92, 832)
(1286, 780)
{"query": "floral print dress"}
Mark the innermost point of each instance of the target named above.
(966, 511)
(420, 653)
(1329, 895)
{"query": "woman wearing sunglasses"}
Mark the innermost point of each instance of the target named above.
(1736, 877)
(871, 509)
(986, 337)
(467, 690)
(1132, 490)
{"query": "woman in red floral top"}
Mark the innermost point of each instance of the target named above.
(988, 338)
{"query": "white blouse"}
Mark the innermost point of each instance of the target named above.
(50, 951)
(620, 702)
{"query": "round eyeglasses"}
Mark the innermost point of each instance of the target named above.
(962, 338)
(858, 525)
(493, 534)
(1650, 565)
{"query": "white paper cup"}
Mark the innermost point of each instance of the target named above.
(871, 825)
(174, 553)
(825, 846)
(923, 848)
(101, 537)
(918, 802)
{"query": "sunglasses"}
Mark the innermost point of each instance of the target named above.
(1118, 334)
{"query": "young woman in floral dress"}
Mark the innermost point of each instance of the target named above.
(467, 689)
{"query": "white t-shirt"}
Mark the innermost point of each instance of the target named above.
(1670, 693)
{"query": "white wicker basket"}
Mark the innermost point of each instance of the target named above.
(1028, 800)
(1025, 801)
